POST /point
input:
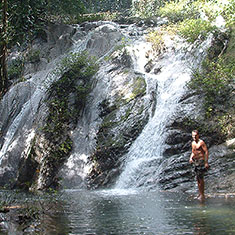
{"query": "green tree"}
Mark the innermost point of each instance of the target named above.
(3, 49)
(66, 7)
(29, 17)
(22, 20)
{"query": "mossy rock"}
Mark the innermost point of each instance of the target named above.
(123, 121)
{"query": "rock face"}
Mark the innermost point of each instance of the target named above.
(177, 174)
(175, 171)
(122, 122)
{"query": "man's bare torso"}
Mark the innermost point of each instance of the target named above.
(198, 152)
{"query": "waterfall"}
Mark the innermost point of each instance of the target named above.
(23, 106)
(141, 165)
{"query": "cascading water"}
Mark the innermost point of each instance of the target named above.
(146, 153)
(22, 106)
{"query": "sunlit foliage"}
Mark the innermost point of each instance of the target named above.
(192, 29)
(215, 82)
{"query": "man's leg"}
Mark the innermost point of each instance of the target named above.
(200, 183)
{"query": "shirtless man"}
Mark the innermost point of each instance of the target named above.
(199, 157)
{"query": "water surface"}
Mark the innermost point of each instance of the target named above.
(122, 212)
(133, 212)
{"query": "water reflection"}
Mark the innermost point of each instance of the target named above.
(129, 212)
(146, 213)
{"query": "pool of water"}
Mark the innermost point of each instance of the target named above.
(133, 212)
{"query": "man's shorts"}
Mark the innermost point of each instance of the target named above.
(199, 168)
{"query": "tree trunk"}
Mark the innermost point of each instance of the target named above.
(3, 50)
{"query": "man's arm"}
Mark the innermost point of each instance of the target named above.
(204, 147)
(191, 156)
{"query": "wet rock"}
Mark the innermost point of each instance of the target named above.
(157, 70)
(123, 121)
(122, 58)
(103, 39)
(149, 66)
(177, 137)
(176, 172)
(87, 26)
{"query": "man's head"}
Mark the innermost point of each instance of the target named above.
(195, 135)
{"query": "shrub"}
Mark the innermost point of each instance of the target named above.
(109, 16)
(33, 56)
(156, 37)
(228, 12)
(146, 8)
(75, 67)
(15, 68)
(179, 10)
(215, 82)
(191, 29)
(157, 40)
(79, 64)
